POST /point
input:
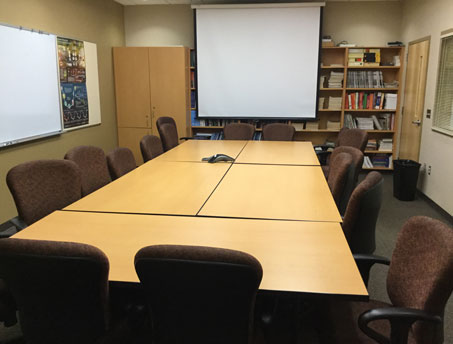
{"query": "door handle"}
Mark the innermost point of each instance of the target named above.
(418, 122)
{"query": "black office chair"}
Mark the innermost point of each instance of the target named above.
(200, 295)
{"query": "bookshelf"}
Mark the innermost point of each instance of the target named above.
(331, 118)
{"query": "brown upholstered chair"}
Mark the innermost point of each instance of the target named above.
(7, 305)
(120, 161)
(356, 138)
(419, 284)
(199, 294)
(166, 126)
(359, 222)
(60, 288)
(43, 186)
(238, 131)
(353, 173)
(278, 132)
(338, 175)
(151, 147)
(93, 166)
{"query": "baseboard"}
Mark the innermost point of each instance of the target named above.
(436, 206)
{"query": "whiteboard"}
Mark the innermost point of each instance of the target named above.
(30, 97)
(29, 90)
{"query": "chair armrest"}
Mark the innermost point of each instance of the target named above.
(186, 138)
(366, 261)
(401, 319)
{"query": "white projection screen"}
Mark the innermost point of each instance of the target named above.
(29, 89)
(258, 62)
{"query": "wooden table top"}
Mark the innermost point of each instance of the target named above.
(273, 192)
(278, 153)
(177, 188)
(195, 150)
(308, 257)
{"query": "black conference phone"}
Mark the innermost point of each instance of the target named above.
(218, 157)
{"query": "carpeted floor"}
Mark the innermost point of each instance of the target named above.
(392, 216)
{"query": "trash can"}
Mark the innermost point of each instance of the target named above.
(405, 175)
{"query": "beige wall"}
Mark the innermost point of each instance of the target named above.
(363, 23)
(97, 21)
(429, 18)
(159, 25)
(355, 22)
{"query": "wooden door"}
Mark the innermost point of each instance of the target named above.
(168, 75)
(130, 138)
(133, 103)
(414, 99)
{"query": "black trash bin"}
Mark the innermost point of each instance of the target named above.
(405, 175)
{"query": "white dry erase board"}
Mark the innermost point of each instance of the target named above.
(30, 99)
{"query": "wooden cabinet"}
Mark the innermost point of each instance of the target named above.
(150, 83)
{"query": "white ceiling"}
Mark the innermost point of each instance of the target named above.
(189, 2)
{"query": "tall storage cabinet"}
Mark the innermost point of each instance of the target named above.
(150, 83)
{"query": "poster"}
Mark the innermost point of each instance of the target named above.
(74, 99)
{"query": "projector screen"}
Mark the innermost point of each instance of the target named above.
(258, 62)
(29, 90)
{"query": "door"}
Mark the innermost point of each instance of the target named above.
(132, 90)
(168, 77)
(414, 99)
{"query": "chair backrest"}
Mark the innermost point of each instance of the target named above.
(338, 173)
(356, 138)
(93, 167)
(166, 126)
(359, 222)
(278, 132)
(151, 147)
(238, 131)
(60, 289)
(199, 294)
(353, 173)
(120, 161)
(421, 270)
(42, 186)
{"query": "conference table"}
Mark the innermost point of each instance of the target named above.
(272, 202)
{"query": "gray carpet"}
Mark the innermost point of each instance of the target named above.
(392, 216)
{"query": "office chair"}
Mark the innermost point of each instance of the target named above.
(356, 138)
(166, 126)
(353, 173)
(338, 174)
(199, 294)
(60, 288)
(359, 222)
(419, 284)
(238, 131)
(151, 147)
(278, 132)
(93, 166)
(42, 186)
(120, 161)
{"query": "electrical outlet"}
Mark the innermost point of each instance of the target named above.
(428, 113)
(429, 170)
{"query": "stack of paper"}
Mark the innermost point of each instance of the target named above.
(314, 125)
(367, 162)
(371, 145)
(386, 145)
(390, 101)
(333, 125)
(336, 80)
(365, 123)
(335, 103)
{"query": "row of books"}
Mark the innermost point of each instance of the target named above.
(383, 145)
(365, 79)
(220, 136)
(385, 121)
(378, 160)
(192, 58)
(331, 103)
(364, 57)
(192, 79)
(216, 122)
(371, 100)
(193, 100)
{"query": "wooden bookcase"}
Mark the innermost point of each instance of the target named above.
(336, 59)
